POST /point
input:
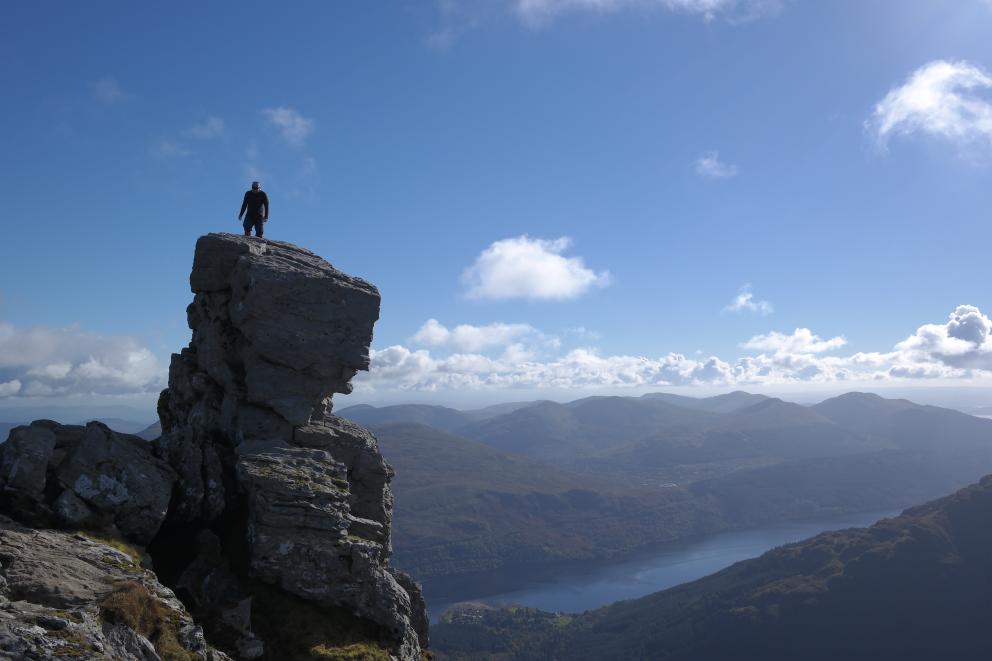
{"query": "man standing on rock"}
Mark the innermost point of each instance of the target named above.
(256, 203)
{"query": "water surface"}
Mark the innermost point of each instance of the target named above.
(668, 566)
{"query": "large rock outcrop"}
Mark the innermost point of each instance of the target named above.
(247, 425)
(269, 516)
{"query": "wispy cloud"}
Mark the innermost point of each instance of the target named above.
(211, 127)
(943, 99)
(745, 302)
(169, 148)
(108, 92)
(541, 12)
(528, 268)
(293, 127)
(710, 166)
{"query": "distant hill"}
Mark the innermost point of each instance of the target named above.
(915, 587)
(727, 403)
(602, 477)
(439, 417)
(151, 432)
(463, 508)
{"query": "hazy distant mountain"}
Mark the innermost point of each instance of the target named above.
(464, 507)
(439, 417)
(915, 587)
(561, 432)
(151, 432)
(727, 403)
(602, 476)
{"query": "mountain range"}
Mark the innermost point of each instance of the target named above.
(498, 495)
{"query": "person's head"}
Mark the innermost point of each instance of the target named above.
(255, 185)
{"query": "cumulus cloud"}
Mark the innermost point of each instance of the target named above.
(801, 340)
(948, 100)
(466, 337)
(69, 361)
(745, 302)
(528, 268)
(710, 166)
(960, 348)
(294, 127)
(540, 12)
(108, 92)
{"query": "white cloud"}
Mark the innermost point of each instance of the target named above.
(960, 348)
(710, 166)
(69, 361)
(211, 127)
(540, 12)
(963, 343)
(802, 340)
(941, 99)
(466, 337)
(108, 92)
(293, 126)
(532, 269)
(745, 302)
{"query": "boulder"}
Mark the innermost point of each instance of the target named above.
(85, 477)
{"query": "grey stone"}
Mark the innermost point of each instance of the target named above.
(24, 460)
(73, 512)
(118, 475)
(50, 599)
(247, 423)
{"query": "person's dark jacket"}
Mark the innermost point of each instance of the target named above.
(254, 201)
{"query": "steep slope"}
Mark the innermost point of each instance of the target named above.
(915, 587)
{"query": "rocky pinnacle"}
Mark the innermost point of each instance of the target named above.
(247, 426)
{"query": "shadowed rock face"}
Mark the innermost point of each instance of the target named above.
(84, 477)
(247, 426)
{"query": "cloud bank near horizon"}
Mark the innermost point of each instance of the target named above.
(520, 357)
(70, 362)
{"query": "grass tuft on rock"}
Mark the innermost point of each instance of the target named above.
(133, 605)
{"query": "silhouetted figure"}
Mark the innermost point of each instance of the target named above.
(256, 203)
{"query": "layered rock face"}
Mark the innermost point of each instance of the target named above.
(65, 595)
(247, 426)
(268, 515)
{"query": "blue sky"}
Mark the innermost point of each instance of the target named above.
(584, 187)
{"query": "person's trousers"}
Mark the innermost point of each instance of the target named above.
(257, 223)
